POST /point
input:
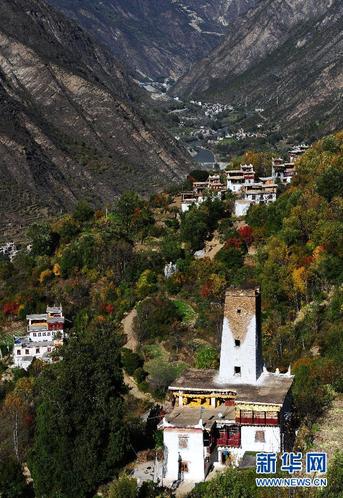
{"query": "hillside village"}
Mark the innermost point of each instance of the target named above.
(171, 249)
(205, 373)
(248, 190)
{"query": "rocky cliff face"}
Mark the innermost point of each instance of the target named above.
(284, 56)
(70, 126)
(156, 37)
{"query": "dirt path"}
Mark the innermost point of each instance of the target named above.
(134, 391)
(132, 343)
(212, 247)
(127, 322)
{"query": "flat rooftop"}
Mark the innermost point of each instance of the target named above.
(190, 416)
(40, 316)
(25, 343)
(271, 388)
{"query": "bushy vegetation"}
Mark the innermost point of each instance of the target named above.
(102, 265)
(299, 266)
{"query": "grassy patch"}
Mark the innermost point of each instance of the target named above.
(155, 351)
(189, 316)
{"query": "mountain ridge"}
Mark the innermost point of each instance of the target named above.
(281, 64)
(153, 37)
(73, 125)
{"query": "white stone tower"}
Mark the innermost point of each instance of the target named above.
(241, 348)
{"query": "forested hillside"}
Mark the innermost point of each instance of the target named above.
(76, 423)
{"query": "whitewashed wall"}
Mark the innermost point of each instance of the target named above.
(243, 356)
(241, 207)
(193, 455)
(272, 439)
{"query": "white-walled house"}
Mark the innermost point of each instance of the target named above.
(241, 207)
(238, 179)
(45, 333)
(260, 193)
(264, 192)
(200, 192)
(25, 351)
(282, 171)
(222, 414)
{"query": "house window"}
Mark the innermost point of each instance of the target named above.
(183, 442)
(35, 334)
(183, 466)
(27, 351)
(39, 334)
(237, 343)
(37, 350)
(260, 437)
(18, 352)
(239, 311)
(238, 371)
(49, 350)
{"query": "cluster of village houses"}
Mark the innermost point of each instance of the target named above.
(212, 110)
(243, 184)
(218, 136)
(216, 416)
(44, 336)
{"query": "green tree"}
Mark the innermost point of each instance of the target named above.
(311, 391)
(194, 228)
(335, 478)
(43, 240)
(233, 483)
(155, 317)
(131, 361)
(83, 212)
(123, 487)
(12, 481)
(71, 260)
(133, 214)
(147, 284)
(330, 183)
(81, 436)
(171, 248)
(206, 357)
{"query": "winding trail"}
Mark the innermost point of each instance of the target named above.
(127, 322)
(213, 246)
(132, 343)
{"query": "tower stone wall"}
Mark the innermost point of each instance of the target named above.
(241, 348)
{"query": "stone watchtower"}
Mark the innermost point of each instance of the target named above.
(241, 347)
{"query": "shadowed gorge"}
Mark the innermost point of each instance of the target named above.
(156, 37)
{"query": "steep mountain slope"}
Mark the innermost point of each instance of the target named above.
(283, 56)
(69, 126)
(156, 37)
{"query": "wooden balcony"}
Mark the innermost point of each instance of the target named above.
(260, 418)
(233, 441)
